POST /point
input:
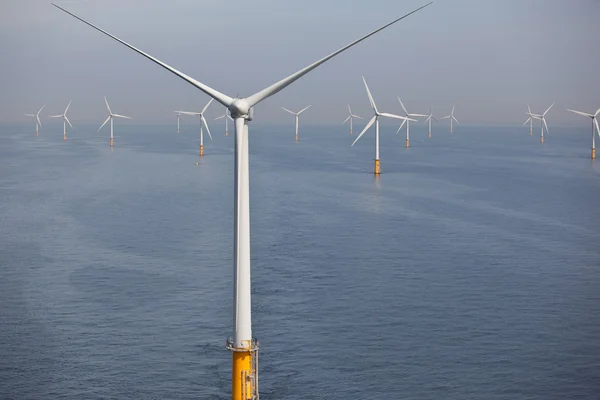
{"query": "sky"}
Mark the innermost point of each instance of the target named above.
(489, 57)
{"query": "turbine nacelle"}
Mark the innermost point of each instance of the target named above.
(240, 108)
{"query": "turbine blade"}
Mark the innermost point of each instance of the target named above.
(528, 119)
(528, 109)
(222, 116)
(346, 120)
(548, 109)
(455, 120)
(446, 117)
(370, 96)
(188, 113)
(229, 116)
(402, 104)
(38, 113)
(291, 112)
(597, 112)
(68, 122)
(547, 130)
(427, 119)
(435, 119)
(107, 106)
(356, 116)
(453, 107)
(104, 123)
(417, 115)
(206, 106)
(304, 109)
(220, 97)
(38, 120)
(276, 87)
(206, 125)
(597, 128)
(364, 130)
(580, 113)
(68, 105)
(121, 116)
(55, 116)
(396, 116)
(400, 127)
(30, 115)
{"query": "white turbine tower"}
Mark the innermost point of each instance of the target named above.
(594, 126)
(407, 122)
(202, 124)
(178, 118)
(429, 118)
(542, 118)
(350, 117)
(110, 117)
(375, 120)
(243, 346)
(227, 117)
(65, 121)
(38, 123)
(297, 115)
(530, 120)
(451, 117)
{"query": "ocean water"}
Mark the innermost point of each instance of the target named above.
(470, 269)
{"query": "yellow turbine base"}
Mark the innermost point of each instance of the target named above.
(407, 143)
(64, 137)
(542, 139)
(201, 151)
(429, 134)
(226, 133)
(178, 131)
(112, 142)
(241, 386)
(37, 134)
(377, 167)
(593, 154)
(350, 132)
(530, 133)
(296, 138)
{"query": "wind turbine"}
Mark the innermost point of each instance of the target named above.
(429, 118)
(110, 117)
(594, 122)
(407, 122)
(530, 120)
(226, 116)
(178, 118)
(202, 124)
(65, 121)
(451, 116)
(243, 346)
(542, 118)
(38, 123)
(375, 120)
(297, 114)
(350, 116)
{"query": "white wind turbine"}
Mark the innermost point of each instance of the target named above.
(594, 126)
(375, 120)
(429, 118)
(178, 118)
(202, 124)
(451, 117)
(65, 121)
(542, 118)
(350, 117)
(297, 114)
(530, 120)
(407, 122)
(38, 123)
(242, 344)
(227, 117)
(110, 117)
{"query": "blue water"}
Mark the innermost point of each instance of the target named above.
(469, 270)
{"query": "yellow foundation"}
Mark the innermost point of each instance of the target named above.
(112, 142)
(64, 137)
(201, 151)
(296, 138)
(226, 133)
(377, 167)
(593, 154)
(350, 132)
(244, 371)
(542, 139)
(36, 133)
(530, 133)
(407, 143)
(429, 134)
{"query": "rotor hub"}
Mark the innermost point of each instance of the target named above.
(239, 109)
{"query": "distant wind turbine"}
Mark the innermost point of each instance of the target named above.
(542, 118)
(350, 117)
(65, 120)
(297, 114)
(38, 123)
(594, 126)
(451, 117)
(227, 117)
(110, 117)
(375, 120)
(178, 118)
(530, 120)
(407, 122)
(243, 346)
(203, 123)
(429, 118)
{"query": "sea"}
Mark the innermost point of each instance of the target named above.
(469, 269)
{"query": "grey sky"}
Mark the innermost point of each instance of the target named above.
(490, 57)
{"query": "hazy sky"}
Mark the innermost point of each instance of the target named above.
(490, 57)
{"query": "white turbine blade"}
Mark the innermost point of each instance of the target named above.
(364, 130)
(370, 96)
(547, 130)
(189, 113)
(67, 109)
(304, 109)
(446, 117)
(597, 128)
(400, 127)
(220, 97)
(206, 106)
(417, 115)
(346, 120)
(453, 107)
(528, 109)
(396, 116)
(55, 116)
(276, 87)
(402, 104)
(455, 120)
(30, 115)
(121, 116)
(435, 119)
(107, 106)
(38, 113)
(548, 109)
(68, 122)
(291, 112)
(427, 119)
(38, 120)
(222, 116)
(104, 123)
(528, 119)
(349, 110)
(580, 113)
(229, 116)
(356, 116)
(206, 125)
(597, 112)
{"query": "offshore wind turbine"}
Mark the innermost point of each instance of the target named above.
(542, 118)
(594, 126)
(38, 123)
(178, 118)
(451, 117)
(350, 117)
(242, 344)
(297, 114)
(65, 120)
(202, 124)
(429, 118)
(375, 120)
(407, 122)
(110, 117)
(530, 120)
(227, 117)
